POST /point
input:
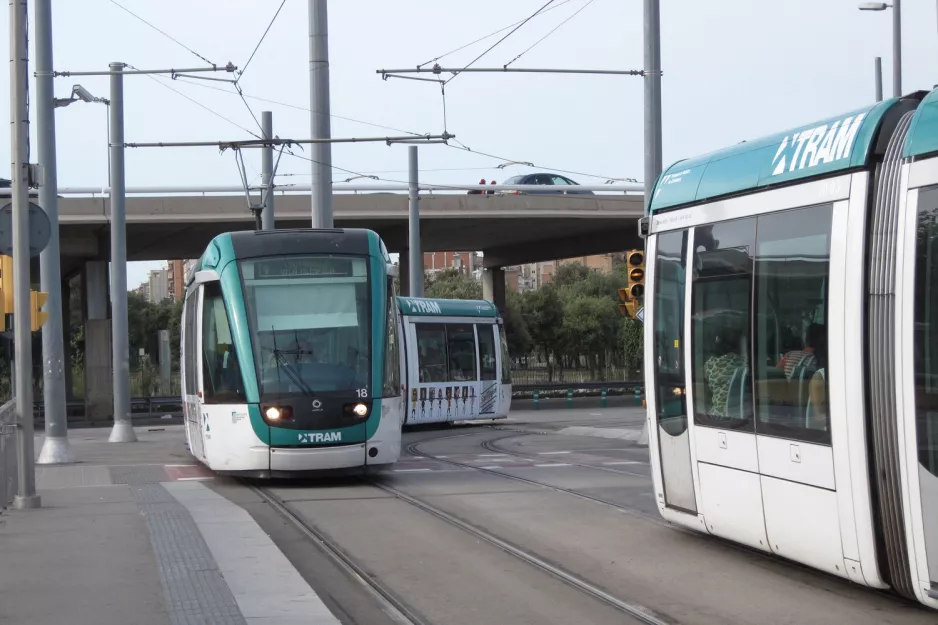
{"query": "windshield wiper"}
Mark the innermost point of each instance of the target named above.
(294, 375)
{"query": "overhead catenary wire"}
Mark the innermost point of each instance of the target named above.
(162, 32)
(462, 146)
(257, 47)
(199, 104)
(494, 45)
(490, 35)
(551, 32)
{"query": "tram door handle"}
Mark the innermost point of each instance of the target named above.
(796, 453)
(721, 437)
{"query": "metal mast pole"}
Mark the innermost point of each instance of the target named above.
(897, 48)
(55, 447)
(415, 254)
(319, 114)
(267, 172)
(652, 97)
(123, 431)
(878, 78)
(26, 496)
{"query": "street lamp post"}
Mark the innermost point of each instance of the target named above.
(896, 39)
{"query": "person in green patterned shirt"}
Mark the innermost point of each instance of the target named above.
(719, 370)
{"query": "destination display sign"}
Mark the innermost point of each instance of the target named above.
(300, 266)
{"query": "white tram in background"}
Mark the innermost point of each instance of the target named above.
(792, 345)
(457, 361)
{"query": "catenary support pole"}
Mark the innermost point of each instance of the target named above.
(26, 496)
(319, 120)
(267, 173)
(897, 48)
(415, 253)
(652, 97)
(878, 78)
(55, 447)
(123, 431)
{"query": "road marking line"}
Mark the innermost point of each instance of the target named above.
(490, 468)
(490, 455)
(180, 465)
(409, 470)
(552, 453)
(441, 456)
(609, 464)
(191, 479)
(554, 464)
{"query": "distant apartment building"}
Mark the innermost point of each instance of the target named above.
(177, 271)
(466, 263)
(158, 286)
(535, 275)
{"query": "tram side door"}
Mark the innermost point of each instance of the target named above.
(195, 420)
(667, 327)
(919, 382)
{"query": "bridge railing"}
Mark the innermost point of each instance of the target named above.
(7, 452)
(533, 189)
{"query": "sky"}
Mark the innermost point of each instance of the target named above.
(732, 70)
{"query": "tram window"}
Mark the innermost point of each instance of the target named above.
(506, 357)
(431, 352)
(461, 348)
(926, 330)
(669, 332)
(221, 373)
(190, 344)
(392, 360)
(722, 290)
(487, 358)
(792, 267)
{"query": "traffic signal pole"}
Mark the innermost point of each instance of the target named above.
(55, 447)
(26, 496)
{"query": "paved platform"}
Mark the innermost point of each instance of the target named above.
(133, 534)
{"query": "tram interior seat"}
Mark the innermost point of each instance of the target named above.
(801, 380)
(777, 400)
(739, 396)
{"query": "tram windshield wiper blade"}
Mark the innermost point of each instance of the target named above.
(294, 375)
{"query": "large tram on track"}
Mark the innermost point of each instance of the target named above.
(291, 358)
(792, 344)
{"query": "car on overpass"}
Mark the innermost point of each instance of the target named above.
(560, 184)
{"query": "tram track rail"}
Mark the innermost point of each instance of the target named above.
(632, 609)
(393, 606)
(414, 450)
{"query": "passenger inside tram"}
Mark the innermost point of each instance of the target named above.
(725, 369)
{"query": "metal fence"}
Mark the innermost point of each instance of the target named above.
(7, 452)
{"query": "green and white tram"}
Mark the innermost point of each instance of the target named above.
(792, 344)
(457, 360)
(291, 357)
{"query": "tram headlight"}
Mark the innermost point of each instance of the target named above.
(273, 413)
(360, 409)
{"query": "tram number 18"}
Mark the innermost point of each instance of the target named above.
(362, 393)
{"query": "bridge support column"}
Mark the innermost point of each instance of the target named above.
(98, 390)
(493, 287)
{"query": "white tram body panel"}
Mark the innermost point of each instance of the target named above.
(792, 345)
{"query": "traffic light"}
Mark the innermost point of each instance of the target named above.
(636, 264)
(6, 290)
(623, 301)
(37, 317)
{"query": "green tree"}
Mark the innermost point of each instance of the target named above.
(590, 329)
(569, 274)
(633, 345)
(452, 284)
(516, 329)
(542, 310)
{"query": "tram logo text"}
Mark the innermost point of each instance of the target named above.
(321, 437)
(821, 144)
(424, 306)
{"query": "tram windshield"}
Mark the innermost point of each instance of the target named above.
(310, 323)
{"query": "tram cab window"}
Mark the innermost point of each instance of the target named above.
(791, 277)
(221, 373)
(487, 359)
(669, 332)
(392, 359)
(189, 335)
(722, 286)
(461, 345)
(926, 330)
